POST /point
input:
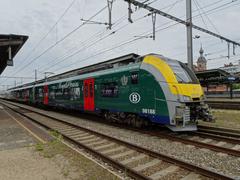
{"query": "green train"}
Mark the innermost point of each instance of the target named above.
(137, 90)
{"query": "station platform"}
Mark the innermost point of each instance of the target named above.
(18, 157)
(12, 134)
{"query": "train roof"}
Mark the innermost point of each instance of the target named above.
(116, 64)
(127, 62)
(108, 64)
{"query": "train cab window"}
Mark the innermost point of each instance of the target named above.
(134, 78)
(182, 73)
(109, 90)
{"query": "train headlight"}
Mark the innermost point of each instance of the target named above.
(186, 98)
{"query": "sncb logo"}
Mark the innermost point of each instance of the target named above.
(134, 98)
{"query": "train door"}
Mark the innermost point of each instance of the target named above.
(25, 95)
(45, 95)
(88, 86)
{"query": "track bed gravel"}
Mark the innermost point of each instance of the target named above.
(219, 162)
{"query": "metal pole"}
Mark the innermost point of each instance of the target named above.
(109, 3)
(9, 52)
(35, 75)
(154, 15)
(231, 90)
(45, 76)
(189, 33)
(228, 56)
(130, 12)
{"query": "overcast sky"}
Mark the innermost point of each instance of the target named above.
(35, 18)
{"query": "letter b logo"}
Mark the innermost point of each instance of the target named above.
(134, 98)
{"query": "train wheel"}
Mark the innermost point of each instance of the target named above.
(107, 116)
(139, 122)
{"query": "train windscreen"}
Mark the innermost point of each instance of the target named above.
(182, 72)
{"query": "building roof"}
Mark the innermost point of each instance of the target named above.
(15, 42)
(212, 73)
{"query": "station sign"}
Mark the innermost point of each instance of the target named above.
(231, 78)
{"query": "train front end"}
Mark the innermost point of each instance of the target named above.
(183, 93)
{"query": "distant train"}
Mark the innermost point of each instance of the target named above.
(137, 91)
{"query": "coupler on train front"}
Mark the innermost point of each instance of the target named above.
(200, 111)
(188, 114)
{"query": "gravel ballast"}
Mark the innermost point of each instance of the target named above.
(222, 163)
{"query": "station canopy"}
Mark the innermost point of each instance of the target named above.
(215, 76)
(9, 47)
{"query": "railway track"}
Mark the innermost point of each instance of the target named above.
(136, 161)
(223, 145)
(224, 105)
(220, 131)
(222, 142)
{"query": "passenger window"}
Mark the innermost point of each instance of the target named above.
(75, 93)
(40, 93)
(52, 94)
(66, 93)
(109, 90)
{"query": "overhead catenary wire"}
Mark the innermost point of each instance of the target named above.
(217, 9)
(151, 9)
(117, 46)
(90, 39)
(194, 17)
(223, 57)
(157, 31)
(16, 77)
(107, 50)
(210, 21)
(162, 8)
(62, 39)
(200, 14)
(90, 45)
(37, 57)
(113, 32)
(49, 31)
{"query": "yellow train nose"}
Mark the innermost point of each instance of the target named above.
(190, 90)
